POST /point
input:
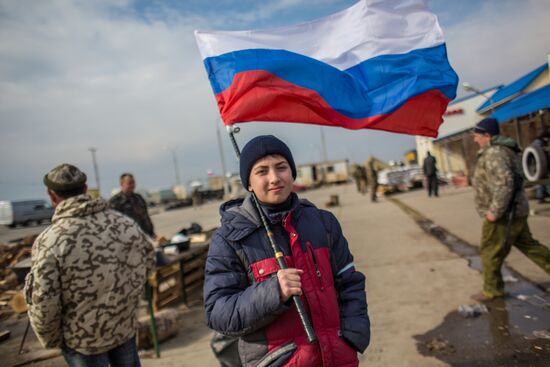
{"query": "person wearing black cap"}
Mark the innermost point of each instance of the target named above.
(501, 201)
(88, 271)
(247, 295)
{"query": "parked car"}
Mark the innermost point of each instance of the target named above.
(25, 212)
(400, 178)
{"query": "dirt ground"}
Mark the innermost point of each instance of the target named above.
(414, 286)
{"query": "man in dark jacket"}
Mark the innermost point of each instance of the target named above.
(132, 204)
(247, 295)
(430, 171)
(361, 178)
(372, 174)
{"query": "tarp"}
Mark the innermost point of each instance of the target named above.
(380, 64)
(521, 106)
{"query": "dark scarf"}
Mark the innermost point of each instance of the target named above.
(276, 212)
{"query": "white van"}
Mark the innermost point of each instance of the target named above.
(25, 212)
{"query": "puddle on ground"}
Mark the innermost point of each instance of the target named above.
(515, 331)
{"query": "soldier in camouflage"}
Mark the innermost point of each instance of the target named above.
(132, 204)
(498, 188)
(361, 178)
(372, 177)
(88, 271)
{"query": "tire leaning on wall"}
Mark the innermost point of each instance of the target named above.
(535, 163)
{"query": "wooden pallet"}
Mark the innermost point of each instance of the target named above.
(166, 285)
(182, 277)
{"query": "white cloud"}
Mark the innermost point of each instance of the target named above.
(76, 75)
(500, 42)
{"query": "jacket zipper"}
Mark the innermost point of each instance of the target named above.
(317, 271)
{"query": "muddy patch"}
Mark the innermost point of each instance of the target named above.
(514, 332)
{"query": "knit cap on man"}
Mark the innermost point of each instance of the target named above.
(488, 125)
(260, 147)
(64, 177)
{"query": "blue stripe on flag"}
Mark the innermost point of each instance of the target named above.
(375, 86)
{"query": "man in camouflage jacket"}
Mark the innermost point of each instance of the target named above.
(132, 204)
(498, 188)
(88, 271)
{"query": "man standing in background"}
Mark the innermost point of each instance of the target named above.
(430, 172)
(373, 178)
(360, 176)
(132, 204)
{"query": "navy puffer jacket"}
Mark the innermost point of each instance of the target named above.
(241, 290)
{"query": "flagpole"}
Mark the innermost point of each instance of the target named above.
(325, 159)
(279, 256)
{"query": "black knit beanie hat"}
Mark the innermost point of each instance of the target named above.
(258, 148)
(488, 125)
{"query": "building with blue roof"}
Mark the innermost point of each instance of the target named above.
(522, 107)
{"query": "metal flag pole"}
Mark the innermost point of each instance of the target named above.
(311, 337)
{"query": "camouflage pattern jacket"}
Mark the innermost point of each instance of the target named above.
(494, 178)
(134, 207)
(88, 271)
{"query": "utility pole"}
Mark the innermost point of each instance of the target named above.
(96, 170)
(176, 169)
(325, 160)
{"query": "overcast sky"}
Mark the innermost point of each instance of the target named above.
(126, 77)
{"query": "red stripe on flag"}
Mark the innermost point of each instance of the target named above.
(261, 96)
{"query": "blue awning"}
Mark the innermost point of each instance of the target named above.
(512, 90)
(525, 104)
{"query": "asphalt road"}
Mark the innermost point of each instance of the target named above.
(11, 234)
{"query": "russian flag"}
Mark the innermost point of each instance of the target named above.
(379, 64)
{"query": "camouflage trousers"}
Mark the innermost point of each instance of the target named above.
(361, 186)
(494, 250)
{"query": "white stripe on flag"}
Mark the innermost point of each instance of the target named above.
(368, 29)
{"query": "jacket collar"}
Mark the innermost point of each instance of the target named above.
(239, 218)
(79, 206)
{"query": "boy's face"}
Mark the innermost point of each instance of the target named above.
(271, 179)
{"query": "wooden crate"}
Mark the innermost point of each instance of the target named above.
(192, 271)
(182, 277)
(166, 285)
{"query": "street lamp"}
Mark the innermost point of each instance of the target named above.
(220, 148)
(225, 174)
(470, 88)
